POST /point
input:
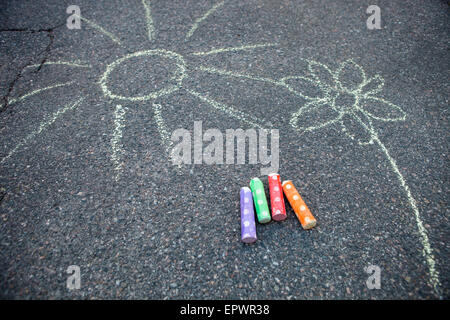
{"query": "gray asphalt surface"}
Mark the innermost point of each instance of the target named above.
(161, 233)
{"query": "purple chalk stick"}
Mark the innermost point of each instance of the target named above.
(248, 226)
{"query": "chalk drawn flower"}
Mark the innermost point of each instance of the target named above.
(345, 97)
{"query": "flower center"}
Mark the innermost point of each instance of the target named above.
(345, 101)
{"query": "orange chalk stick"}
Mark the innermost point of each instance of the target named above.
(302, 212)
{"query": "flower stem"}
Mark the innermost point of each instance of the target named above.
(426, 251)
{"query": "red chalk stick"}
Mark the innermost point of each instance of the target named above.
(276, 197)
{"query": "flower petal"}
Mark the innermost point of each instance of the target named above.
(350, 76)
(372, 86)
(314, 115)
(322, 74)
(357, 127)
(381, 109)
(304, 87)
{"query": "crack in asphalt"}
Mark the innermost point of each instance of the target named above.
(2, 195)
(47, 50)
(46, 53)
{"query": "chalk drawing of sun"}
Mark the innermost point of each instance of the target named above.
(175, 62)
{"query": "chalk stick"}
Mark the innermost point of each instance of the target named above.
(276, 198)
(248, 227)
(301, 210)
(260, 200)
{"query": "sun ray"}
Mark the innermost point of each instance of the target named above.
(238, 75)
(42, 126)
(227, 73)
(34, 92)
(67, 63)
(160, 123)
(150, 25)
(234, 49)
(116, 145)
(96, 26)
(199, 20)
(163, 133)
(239, 115)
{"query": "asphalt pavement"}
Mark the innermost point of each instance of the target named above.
(85, 177)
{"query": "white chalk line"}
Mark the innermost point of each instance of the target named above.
(201, 19)
(148, 15)
(34, 92)
(163, 133)
(340, 69)
(67, 63)
(427, 251)
(41, 128)
(380, 84)
(280, 82)
(178, 75)
(237, 75)
(116, 140)
(426, 247)
(233, 49)
(239, 115)
(96, 26)
(309, 106)
(161, 126)
(352, 136)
